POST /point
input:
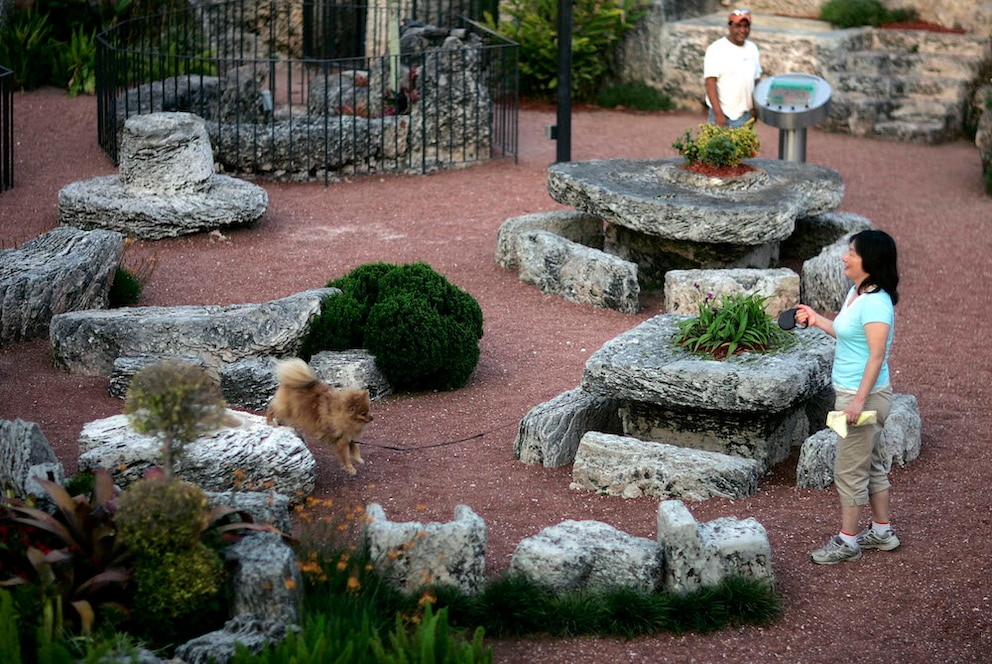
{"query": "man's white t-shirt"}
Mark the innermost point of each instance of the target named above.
(735, 69)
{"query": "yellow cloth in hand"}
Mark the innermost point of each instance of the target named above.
(837, 420)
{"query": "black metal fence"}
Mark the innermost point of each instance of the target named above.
(316, 89)
(6, 129)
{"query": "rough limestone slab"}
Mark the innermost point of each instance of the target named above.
(579, 227)
(165, 154)
(823, 284)
(412, 555)
(702, 555)
(628, 467)
(25, 455)
(577, 273)
(125, 369)
(815, 233)
(88, 342)
(550, 432)
(766, 437)
(101, 202)
(656, 197)
(643, 364)
(686, 290)
(251, 456)
(901, 438)
(65, 269)
(589, 555)
(355, 368)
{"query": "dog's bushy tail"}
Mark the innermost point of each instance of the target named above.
(294, 372)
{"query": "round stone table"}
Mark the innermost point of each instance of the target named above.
(663, 217)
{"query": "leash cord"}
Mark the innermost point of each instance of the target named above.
(443, 444)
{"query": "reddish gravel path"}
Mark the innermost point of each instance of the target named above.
(927, 602)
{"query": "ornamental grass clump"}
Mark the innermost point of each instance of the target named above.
(739, 323)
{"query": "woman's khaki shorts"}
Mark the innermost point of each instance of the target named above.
(860, 471)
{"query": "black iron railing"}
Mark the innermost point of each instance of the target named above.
(312, 89)
(6, 129)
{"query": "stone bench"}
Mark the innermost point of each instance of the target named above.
(250, 384)
(901, 439)
(550, 432)
(411, 555)
(699, 555)
(685, 290)
(88, 342)
(577, 273)
(251, 455)
(628, 467)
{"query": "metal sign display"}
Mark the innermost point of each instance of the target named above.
(792, 102)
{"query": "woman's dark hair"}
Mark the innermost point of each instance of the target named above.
(877, 250)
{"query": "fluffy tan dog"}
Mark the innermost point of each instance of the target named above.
(329, 417)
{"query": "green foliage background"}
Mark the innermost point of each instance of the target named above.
(597, 27)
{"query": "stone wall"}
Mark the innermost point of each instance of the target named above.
(971, 15)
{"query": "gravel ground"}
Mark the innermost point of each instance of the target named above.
(927, 601)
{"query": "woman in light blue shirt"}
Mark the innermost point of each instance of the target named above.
(863, 329)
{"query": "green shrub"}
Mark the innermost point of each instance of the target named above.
(178, 594)
(423, 331)
(715, 145)
(161, 515)
(854, 13)
(597, 27)
(739, 323)
(341, 322)
(418, 347)
(635, 95)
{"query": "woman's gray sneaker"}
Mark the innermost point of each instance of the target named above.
(835, 551)
(868, 539)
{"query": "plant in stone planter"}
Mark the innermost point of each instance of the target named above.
(176, 401)
(717, 150)
(738, 324)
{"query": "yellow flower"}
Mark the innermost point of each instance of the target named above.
(290, 584)
(354, 585)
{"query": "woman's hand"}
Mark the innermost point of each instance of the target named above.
(805, 316)
(854, 409)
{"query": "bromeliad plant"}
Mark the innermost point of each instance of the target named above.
(739, 323)
(74, 557)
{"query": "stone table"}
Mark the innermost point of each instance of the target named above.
(753, 405)
(663, 217)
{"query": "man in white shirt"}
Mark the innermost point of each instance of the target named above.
(731, 67)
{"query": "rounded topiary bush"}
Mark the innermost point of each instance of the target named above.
(416, 346)
(423, 330)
